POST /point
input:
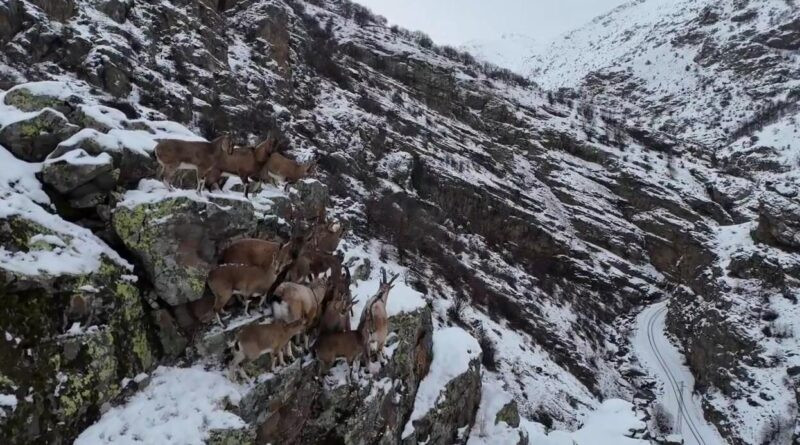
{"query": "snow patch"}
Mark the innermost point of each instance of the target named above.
(453, 350)
(179, 406)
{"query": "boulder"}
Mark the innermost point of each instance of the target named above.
(177, 239)
(778, 221)
(132, 162)
(33, 138)
(27, 99)
(75, 168)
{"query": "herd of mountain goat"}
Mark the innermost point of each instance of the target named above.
(301, 280)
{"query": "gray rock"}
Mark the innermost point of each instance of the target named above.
(59, 10)
(177, 240)
(116, 9)
(10, 23)
(26, 100)
(34, 138)
(309, 197)
(75, 168)
(133, 165)
(454, 410)
(779, 220)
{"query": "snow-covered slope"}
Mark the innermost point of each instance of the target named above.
(512, 51)
(700, 69)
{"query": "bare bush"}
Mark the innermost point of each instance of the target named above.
(663, 422)
(777, 431)
(456, 311)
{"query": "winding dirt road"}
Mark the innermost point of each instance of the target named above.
(665, 362)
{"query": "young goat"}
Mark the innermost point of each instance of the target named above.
(374, 323)
(299, 302)
(203, 157)
(249, 281)
(348, 345)
(281, 168)
(244, 162)
(255, 340)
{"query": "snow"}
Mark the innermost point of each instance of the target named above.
(180, 406)
(80, 157)
(402, 298)
(510, 50)
(453, 349)
(610, 424)
(665, 362)
(19, 177)
(151, 191)
(110, 117)
(486, 430)
(69, 249)
(8, 401)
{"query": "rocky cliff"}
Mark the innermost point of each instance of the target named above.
(533, 222)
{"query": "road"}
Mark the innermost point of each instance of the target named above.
(666, 364)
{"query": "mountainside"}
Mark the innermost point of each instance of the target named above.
(532, 224)
(720, 76)
(707, 71)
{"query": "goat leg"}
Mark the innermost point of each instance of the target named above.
(289, 352)
(280, 357)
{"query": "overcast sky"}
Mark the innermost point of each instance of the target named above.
(454, 22)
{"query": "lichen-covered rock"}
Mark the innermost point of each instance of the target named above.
(177, 239)
(509, 414)
(27, 100)
(779, 220)
(34, 138)
(298, 406)
(232, 437)
(62, 364)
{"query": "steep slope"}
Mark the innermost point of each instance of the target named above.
(719, 74)
(531, 221)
